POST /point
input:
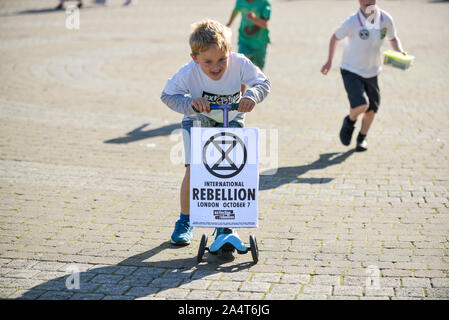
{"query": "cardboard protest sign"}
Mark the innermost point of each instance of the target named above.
(224, 177)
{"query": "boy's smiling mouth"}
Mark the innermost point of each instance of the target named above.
(215, 73)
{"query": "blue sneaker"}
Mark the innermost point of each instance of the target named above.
(182, 234)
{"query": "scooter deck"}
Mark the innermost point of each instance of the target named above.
(227, 242)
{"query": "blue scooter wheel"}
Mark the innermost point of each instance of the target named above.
(202, 248)
(254, 248)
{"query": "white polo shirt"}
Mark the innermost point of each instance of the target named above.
(364, 39)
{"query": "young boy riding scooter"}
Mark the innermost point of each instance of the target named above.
(213, 76)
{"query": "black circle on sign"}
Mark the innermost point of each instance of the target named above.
(234, 170)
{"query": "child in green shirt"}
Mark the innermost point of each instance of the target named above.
(253, 32)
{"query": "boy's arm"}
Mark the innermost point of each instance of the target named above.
(332, 45)
(258, 92)
(343, 31)
(261, 22)
(392, 36)
(232, 17)
(258, 86)
(397, 45)
(176, 94)
(178, 102)
(254, 95)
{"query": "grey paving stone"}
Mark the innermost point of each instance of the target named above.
(416, 282)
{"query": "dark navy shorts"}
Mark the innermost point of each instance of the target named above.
(356, 87)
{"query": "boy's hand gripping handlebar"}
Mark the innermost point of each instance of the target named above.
(225, 108)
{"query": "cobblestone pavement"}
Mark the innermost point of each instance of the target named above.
(90, 169)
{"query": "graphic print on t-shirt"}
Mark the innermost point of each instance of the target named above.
(221, 99)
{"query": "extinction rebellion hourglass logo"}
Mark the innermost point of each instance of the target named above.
(224, 155)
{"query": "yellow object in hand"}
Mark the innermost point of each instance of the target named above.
(398, 60)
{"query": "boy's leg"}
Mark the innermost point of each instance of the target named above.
(185, 192)
(355, 112)
(373, 93)
(362, 143)
(183, 232)
(355, 90)
(368, 119)
(349, 122)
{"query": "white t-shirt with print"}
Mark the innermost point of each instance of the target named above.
(362, 51)
(191, 81)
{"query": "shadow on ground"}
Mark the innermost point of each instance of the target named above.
(285, 175)
(140, 134)
(42, 11)
(134, 277)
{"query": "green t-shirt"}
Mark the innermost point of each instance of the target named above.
(249, 33)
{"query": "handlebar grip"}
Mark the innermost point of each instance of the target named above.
(233, 106)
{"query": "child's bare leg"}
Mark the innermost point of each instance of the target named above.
(348, 124)
(183, 231)
(362, 143)
(355, 112)
(185, 192)
(367, 121)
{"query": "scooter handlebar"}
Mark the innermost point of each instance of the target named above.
(233, 106)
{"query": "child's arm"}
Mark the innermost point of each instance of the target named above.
(254, 95)
(258, 86)
(182, 104)
(176, 94)
(332, 45)
(397, 45)
(261, 22)
(232, 17)
(258, 92)
(392, 36)
(178, 102)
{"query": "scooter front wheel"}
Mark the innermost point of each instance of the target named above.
(202, 248)
(254, 248)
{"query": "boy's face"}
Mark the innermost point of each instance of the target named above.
(212, 61)
(366, 3)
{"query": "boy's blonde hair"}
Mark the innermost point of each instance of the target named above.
(208, 32)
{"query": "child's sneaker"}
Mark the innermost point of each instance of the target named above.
(362, 143)
(182, 234)
(346, 131)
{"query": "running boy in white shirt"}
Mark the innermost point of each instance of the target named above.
(365, 31)
(213, 76)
